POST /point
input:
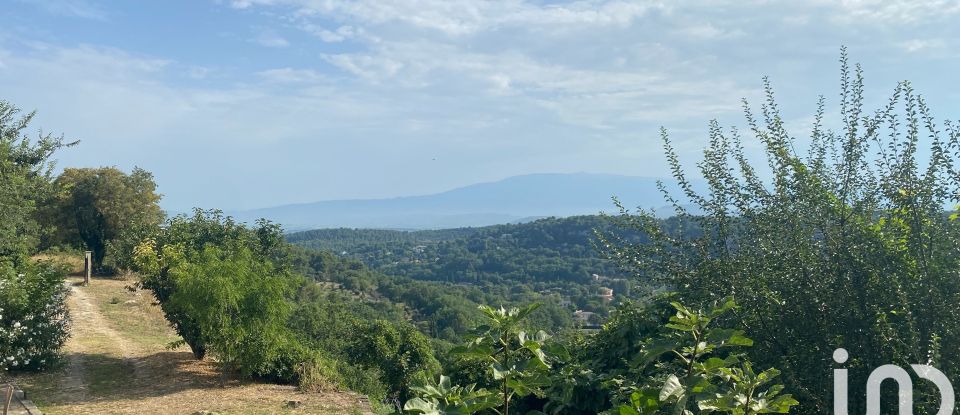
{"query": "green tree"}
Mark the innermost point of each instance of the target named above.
(185, 238)
(399, 351)
(846, 245)
(239, 304)
(25, 181)
(106, 211)
(34, 322)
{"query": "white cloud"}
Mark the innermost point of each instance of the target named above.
(291, 75)
(330, 36)
(923, 45)
(462, 17)
(895, 11)
(271, 39)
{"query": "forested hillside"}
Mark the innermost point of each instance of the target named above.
(554, 258)
(546, 250)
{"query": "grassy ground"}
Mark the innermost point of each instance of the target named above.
(117, 363)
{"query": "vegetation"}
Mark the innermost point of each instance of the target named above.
(176, 254)
(546, 250)
(33, 319)
(695, 375)
(105, 211)
(682, 368)
(848, 245)
(238, 303)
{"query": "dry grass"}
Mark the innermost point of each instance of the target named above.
(118, 364)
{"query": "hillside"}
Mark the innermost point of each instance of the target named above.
(445, 273)
(118, 362)
(545, 250)
(515, 199)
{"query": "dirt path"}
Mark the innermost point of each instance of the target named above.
(89, 322)
(118, 363)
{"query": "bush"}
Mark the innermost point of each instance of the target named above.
(239, 305)
(34, 323)
(183, 240)
(399, 351)
(848, 245)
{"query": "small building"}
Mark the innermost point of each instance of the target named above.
(583, 317)
(606, 293)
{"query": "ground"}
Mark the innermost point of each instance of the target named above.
(117, 362)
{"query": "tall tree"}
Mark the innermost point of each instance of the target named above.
(106, 211)
(25, 176)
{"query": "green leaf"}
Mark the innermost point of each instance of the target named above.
(671, 388)
(653, 350)
(420, 406)
(728, 337)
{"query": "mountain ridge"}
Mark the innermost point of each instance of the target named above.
(515, 198)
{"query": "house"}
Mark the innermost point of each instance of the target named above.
(583, 317)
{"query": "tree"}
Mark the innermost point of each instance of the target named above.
(106, 211)
(184, 239)
(238, 303)
(848, 245)
(25, 176)
(34, 323)
(399, 351)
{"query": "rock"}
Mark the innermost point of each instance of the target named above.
(294, 404)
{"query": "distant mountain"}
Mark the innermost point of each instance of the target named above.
(511, 200)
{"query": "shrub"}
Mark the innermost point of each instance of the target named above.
(184, 239)
(238, 304)
(847, 244)
(400, 352)
(34, 323)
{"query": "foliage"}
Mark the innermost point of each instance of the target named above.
(848, 245)
(518, 362)
(25, 175)
(34, 322)
(691, 374)
(184, 240)
(106, 211)
(584, 383)
(238, 303)
(544, 250)
(548, 261)
(443, 398)
(400, 352)
(33, 317)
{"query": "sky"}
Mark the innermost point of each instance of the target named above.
(253, 103)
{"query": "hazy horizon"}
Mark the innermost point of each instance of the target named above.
(253, 103)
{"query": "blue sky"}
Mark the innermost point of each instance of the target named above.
(251, 103)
